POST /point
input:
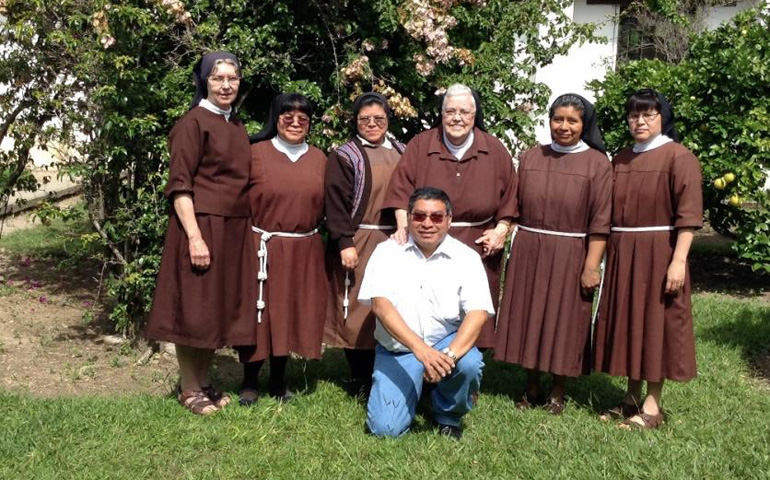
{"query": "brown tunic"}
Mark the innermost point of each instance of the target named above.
(481, 185)
(357, 330)
(545, 321)
(214, 307)
(288, 196)
(642, 332)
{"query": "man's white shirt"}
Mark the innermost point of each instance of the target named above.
(431, 294)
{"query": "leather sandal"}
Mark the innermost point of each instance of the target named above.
(554, 406)
(221, 400)
(622, 410)
(197, 402)
(651, 422)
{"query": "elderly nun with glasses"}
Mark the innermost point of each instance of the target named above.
(206, 286)
(287, 201)
(476, 171)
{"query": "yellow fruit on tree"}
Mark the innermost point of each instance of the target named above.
(720, 183)
(735, 200)
(729, 177)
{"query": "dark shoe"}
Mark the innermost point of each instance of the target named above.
(450, 431)
(554, 406)
(247, 397)
(528, 401)
(358, 389)
(284, 396)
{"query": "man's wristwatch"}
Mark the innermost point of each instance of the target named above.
(449, 353)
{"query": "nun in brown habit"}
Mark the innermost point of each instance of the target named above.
(565, 191)
(357, 178)
(206, 286)
(287, 199)
(645, 325)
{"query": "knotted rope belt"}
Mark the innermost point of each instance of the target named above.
(262, 255)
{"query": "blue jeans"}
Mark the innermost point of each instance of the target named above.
(397, 385)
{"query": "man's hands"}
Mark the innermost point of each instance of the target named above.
(437, 365)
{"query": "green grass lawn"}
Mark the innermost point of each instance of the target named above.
(718, 427)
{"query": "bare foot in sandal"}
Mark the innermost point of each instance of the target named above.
(643, 421)
(220, 400)
(197, 402)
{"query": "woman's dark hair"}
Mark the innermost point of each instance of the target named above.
(591, 134)
(365, 100)
(295, 101)
(430, 193)
(648, 99)
(567, 100)
(642, 101)
(285, 102)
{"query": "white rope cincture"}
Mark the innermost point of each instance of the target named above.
(553, 232)
(265, 237)
(603, 266)
(471, 224)
(544, 232)
(346, 300)
(660, 228)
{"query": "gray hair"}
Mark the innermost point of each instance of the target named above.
(226, 61)
(456, 90)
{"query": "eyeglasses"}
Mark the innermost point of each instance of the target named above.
(648, 117)
(451, 112)
(218, 80)
(435, 217)
(380, 120)
(288, 119)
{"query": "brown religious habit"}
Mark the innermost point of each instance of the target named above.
(481, 186)
(642, 332)
(214, 307)
(288, 197)
(545, 320)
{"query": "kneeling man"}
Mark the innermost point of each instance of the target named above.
(431, 299)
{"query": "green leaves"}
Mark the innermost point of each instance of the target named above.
(721, 98)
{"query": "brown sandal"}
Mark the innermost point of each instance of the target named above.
(554, 406)
(221, 400)
(622, 410)
(651, 422)
(197, 402)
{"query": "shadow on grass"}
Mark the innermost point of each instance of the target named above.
(749, 330)
(595, 392)
(716, 268)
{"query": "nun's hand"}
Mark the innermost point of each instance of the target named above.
(199, 253)
(675, 276)
(349, 258)
(400, 236)
(589, 280)
(493, 240)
